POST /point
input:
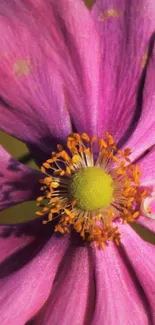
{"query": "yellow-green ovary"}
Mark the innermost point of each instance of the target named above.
(91, 188)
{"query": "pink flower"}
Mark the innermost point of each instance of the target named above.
(65, 69)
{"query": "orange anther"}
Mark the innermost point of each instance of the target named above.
(43, 170)
(91, 225)
(76, 159)
(59, 147)
(55, 184)
(85, 137)
(46, 165)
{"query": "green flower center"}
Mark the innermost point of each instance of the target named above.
(91, 188)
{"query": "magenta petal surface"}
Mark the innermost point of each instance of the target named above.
(25, 291)
(72, 296)
(123, 56)
(147, 169)
(18, 182)
(31, 89)
(10, 243)
(141, 258)
(49, 72)
(144, 135)
(118, 296)
(82, 88)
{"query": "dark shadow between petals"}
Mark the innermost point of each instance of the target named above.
(40, 235)
(25, 159)
(64, 268)
(138, 286)
(27, 182)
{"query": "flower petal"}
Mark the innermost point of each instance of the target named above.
(84, 46)
(147, 169)
(27, 69)
(124, 55)
(117, 290)
(49, 72)
(141, 257)
(25, 289)
(18, 183)
(11, 242)
(144, 135)
(72, 295)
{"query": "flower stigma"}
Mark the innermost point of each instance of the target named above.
(90, 187)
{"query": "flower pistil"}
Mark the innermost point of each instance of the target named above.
(89, 192)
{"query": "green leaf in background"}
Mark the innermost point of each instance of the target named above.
(89, 3)
(24, 211)
(19, 213)
(16, 148)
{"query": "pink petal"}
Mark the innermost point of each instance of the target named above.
(147, 169)
(49, 72)
(10, 243)
(83, 44)
(125, 28)
(144, 135)
(26, 69)
(18, 183)
(118, 295)
(141, 257)
(72, 296)
(25, 291)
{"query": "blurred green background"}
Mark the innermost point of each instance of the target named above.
(27, 209)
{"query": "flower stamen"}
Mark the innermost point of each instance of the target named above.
(88, 194)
